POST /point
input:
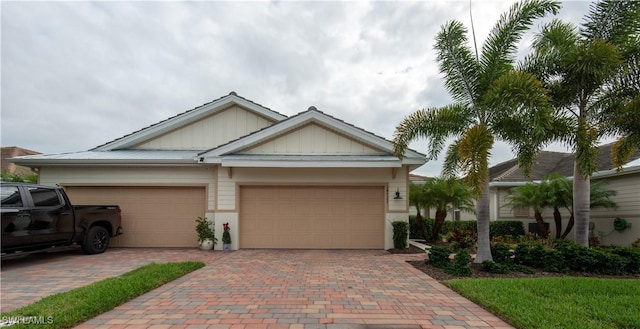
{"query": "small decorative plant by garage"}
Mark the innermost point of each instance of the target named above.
(226, 237)
(206, 234)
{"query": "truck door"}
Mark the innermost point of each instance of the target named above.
(51, 218)
(16, 218)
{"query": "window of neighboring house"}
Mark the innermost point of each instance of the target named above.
(456, 214)
(521, 212)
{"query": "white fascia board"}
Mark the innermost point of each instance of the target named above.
(511, 184)
(614, 172)
(309, 164)
(105, 162)
(186, 118)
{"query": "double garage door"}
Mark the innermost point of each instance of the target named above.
(312, 217)
(331, 217)
(151, 216)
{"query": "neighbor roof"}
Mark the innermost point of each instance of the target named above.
(549, 162)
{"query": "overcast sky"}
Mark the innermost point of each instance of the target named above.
(78, 74)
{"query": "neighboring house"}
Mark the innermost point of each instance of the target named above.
(9, 152)
(626, 183)
(305, 181)
(453, 214)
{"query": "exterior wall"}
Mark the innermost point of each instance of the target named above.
(210, 132)
(312, 139)
(133, 176)
(230, 179)
(627, 187)
(628, 201)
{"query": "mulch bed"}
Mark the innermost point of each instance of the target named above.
(440, 275)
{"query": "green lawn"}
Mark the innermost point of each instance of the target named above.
(561, 302)
(64, 310)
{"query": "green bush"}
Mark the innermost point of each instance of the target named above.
(463, 225)
(553, 261)
(632, 255)
(414, 232)
(400, 234)
(506, 228)
(493, 267)
(462, 238)
(439, 257)
(502, 253)
(529, 255)
(460, 265)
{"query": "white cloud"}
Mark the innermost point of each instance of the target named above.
(78, 74)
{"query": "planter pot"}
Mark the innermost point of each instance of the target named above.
(206, 244)
(226, 246)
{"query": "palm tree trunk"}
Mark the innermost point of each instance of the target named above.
(482, 211)
(541, 228)
(557, 218)
(581, 210)
(437, 226)
(569, 227)
(420, 224)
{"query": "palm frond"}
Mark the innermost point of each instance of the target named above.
(451, 160)
(457, 63)
(498, 52)
(612, 20)
(434, 125)
(474, 150)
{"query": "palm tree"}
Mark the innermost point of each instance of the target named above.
(585, 72)
(491, 99)
(419, 199)
(535, 195)
(443, 194)
(562, 190)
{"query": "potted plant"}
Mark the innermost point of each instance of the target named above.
(226, 237)
(206, 235)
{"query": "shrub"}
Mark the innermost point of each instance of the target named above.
(506, 228)
(636, 244)
(449, 226)
(493, 267)
(460, 265)
(577, 257)
(632, 256)
(501, 253)
(553, 261)
(400, 234)
(463, 238)
(439, 257)
(414, 232)
(529, 255)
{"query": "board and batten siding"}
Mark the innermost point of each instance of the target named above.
(627, 198)
(312, 139)
(210, 132)
(132, 176)
(227, 186)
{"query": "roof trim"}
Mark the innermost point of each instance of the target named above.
(311, 116)
(188, 117)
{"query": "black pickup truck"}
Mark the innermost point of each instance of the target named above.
(39, 218)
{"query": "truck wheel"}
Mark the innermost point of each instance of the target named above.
(96, 241)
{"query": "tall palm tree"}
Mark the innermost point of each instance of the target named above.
(444, 194)
(491, 99)
(585, 71)
(535, 195)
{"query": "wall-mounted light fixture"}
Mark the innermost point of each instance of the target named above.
(397, 197)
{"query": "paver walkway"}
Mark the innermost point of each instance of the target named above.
(288, 289)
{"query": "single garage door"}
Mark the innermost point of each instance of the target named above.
(151, 216)
(331, 217)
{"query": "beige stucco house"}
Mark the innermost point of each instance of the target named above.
(306, 181)
(626, 183)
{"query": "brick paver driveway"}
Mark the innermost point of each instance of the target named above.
(258, 289)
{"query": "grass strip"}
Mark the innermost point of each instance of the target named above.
(561, 302)
(67, 309)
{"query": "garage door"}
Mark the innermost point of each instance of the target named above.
(151, 216)
(312, 217)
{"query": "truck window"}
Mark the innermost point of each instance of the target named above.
(10, 197)
(44, 197)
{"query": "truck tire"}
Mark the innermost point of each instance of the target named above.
(96, 241)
